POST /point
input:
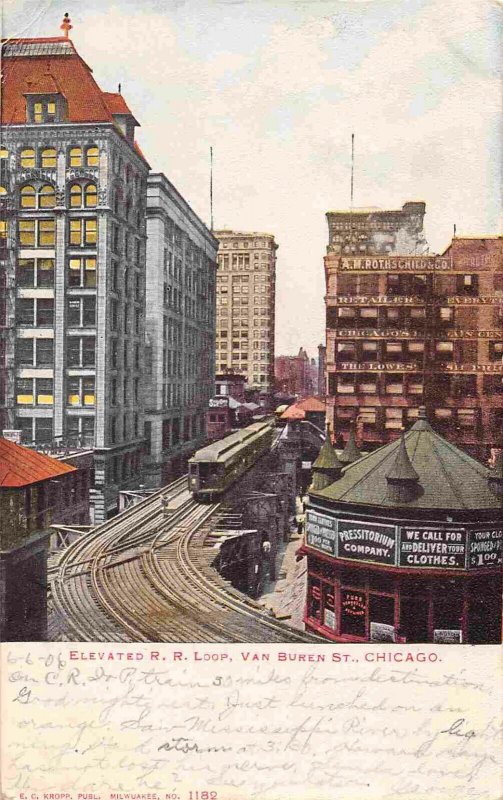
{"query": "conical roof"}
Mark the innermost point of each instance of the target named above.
(450, 479)
(327, 458)
(350, 452)
(402, 469)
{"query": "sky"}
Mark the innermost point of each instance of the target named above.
(277, 87)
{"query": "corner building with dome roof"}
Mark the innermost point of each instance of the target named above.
(405, 544)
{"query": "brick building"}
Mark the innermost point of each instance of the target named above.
(246, 283)
(297, 375)
(403, 331)
(72, 248)
(180, 328)
(36, 491)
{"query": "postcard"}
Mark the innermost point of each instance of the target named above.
(251, 400)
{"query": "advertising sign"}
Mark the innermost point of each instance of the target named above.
(380, 632)
(367, 541)
(396, 264)
(218, 402)
(447, 636)
(485, 548)
(433, 547)
(321, 532)
(353, 603)
(329, 618)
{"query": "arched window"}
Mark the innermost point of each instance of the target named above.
(28, 197)
(28, 157)
(46, 196)
(92, 156)
(75, 195)
(48, 157)
(75, 156)
(91, 196)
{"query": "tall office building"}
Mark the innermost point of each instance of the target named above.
(72, 245)
(180, 327)
(407, 331)
(246, 282)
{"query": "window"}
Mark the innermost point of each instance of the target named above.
(393, 384)
(48, 158)
(45, 312)
(90, 195)
(92, 156)
(467, 417)
(81, 351)
(24, 391)
(40, 232)
(25, 273)
(44, 391)
(28, 158)
(28, 197)
(370, 351)
(496, 351)
(34, 391)
(46, 196)
(444, 351)
(81, 311)
(25, 310)
(80, 391)
(83, 232)
(46, 233)
(467, 284)
(24, 352)
(75, 157)
(82, 272)
(44, 352)
(393, 419)
(75, 195)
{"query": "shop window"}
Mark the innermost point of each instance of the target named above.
(381, 609)
(75, 157)
(48, 158)
(414, 617)
(353, 610)
(314, 599)
(92, 156)
(28, 197)
(28, 158)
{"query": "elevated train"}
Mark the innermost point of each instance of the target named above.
(218, 465)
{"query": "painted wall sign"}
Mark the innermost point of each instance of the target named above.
(472, 334)
(380, 632)
(485, 548)
(432, 547)
(396, 264)
(441, 636)
(374, 333)
(366, 541)
(488, 368)
(374, 366)
(353, 603)
(321, 532)
(486, 299)
(375, 300)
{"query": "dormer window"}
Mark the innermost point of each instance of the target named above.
(45, 108)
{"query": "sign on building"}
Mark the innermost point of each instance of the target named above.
(433, 547)
(321, 532)
(447, 636)
(366, 541)
(380, 632)
(485, 548)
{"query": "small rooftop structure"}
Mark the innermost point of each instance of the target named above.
(299, 409)
(20, 466)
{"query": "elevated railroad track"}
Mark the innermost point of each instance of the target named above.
(143, 576)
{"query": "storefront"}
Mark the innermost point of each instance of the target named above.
(396, 553)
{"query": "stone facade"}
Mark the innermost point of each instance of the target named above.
(75, 272)
(246, 285)
(180, 328)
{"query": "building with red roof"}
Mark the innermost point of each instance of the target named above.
(36, 491)
(311, 409)
(72, 262)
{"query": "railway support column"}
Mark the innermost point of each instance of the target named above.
(261, 513)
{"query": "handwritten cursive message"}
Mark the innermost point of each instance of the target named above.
(88, 722)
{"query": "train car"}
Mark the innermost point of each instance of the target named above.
(218, 465)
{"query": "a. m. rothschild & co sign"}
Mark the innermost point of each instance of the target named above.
(395, 264)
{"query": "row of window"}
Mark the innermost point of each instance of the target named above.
(398, 418)
(39, 272)
(42, 232)
(40, 391)
(375, 351)
(29, 158)
(407, 317)
(79, 195)
(79, 430)
(397, 383)
(400, 284)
